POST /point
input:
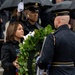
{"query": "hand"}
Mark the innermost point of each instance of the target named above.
(15, 63)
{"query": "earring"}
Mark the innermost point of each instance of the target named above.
(27, 16)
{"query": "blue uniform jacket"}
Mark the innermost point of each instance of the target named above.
(62, 51)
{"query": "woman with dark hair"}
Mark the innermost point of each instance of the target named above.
(10, 48)
(14, 16)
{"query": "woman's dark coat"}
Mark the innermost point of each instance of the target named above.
(8, 55)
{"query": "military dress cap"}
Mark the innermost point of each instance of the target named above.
(32, 7)
(62, 13)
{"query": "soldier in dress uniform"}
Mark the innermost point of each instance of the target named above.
(31, 13)
(58, 52)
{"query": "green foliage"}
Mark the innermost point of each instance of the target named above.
(29, 45)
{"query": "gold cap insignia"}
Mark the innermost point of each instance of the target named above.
(36, 4)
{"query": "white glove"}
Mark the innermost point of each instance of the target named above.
(20, 7)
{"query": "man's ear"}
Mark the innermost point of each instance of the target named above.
(58, 20)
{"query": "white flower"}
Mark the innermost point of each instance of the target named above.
(23, 42)
(25, 37)
(33, 33)
(29, 34)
